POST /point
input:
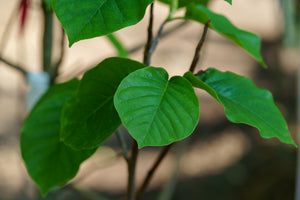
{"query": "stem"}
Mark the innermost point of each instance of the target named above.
(166, 33)
(131, 171)
(159, 33)
(20, 69)
(47, 38)
(147, 53)
(122, 51)
(149, 176)
(56, 66)
(199, 47)
(123, 145)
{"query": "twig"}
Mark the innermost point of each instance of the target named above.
(147, 53)
(57, 65)
(47, 38)
(159, 33)
(131, 172)
(123, 145)
(19, 68)
(199, 47)
(147, 179)
(164, 34)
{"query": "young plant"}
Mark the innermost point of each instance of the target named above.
(74, 118)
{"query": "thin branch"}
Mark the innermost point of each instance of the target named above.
(123, 145)
(164, 34)
(47, 38)
(199, 47)
(57, 65)
(17, 67)
(147, 54)
(159, 33)
(131, 172)
(149, 176)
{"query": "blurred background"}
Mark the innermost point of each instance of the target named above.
(221, 160)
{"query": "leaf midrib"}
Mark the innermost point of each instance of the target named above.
(154, 115)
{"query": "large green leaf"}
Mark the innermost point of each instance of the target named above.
(244, 102)
(50, 162)
(157, 111)
(248, 41)
(83, 19)
(89, 117)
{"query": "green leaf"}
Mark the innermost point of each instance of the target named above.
(157, 111)
(184, 3)
(83, 19)
(244, 102)
(248, 41)
(50, 162)
(122, 51)
(90, 117)
(229, 1)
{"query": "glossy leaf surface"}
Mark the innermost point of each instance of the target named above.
(90, 117)
(83, 19)
(244, 102)
(248, 41)
(49, 161)
(157, 111)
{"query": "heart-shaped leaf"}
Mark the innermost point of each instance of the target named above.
(157, 111)
(248, 41)
(90, 117)
(244, 102)
(83, 19)
(49, 161)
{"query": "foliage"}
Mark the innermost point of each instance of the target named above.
(48, 160)
(72, 119)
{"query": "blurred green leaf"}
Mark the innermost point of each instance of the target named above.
(229, 1)
(122, 51)
(157, 111)
(49, 161)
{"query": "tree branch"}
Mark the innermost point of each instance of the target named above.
(147, 53)
(149, 176)
(199, 47)
(131, 172)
